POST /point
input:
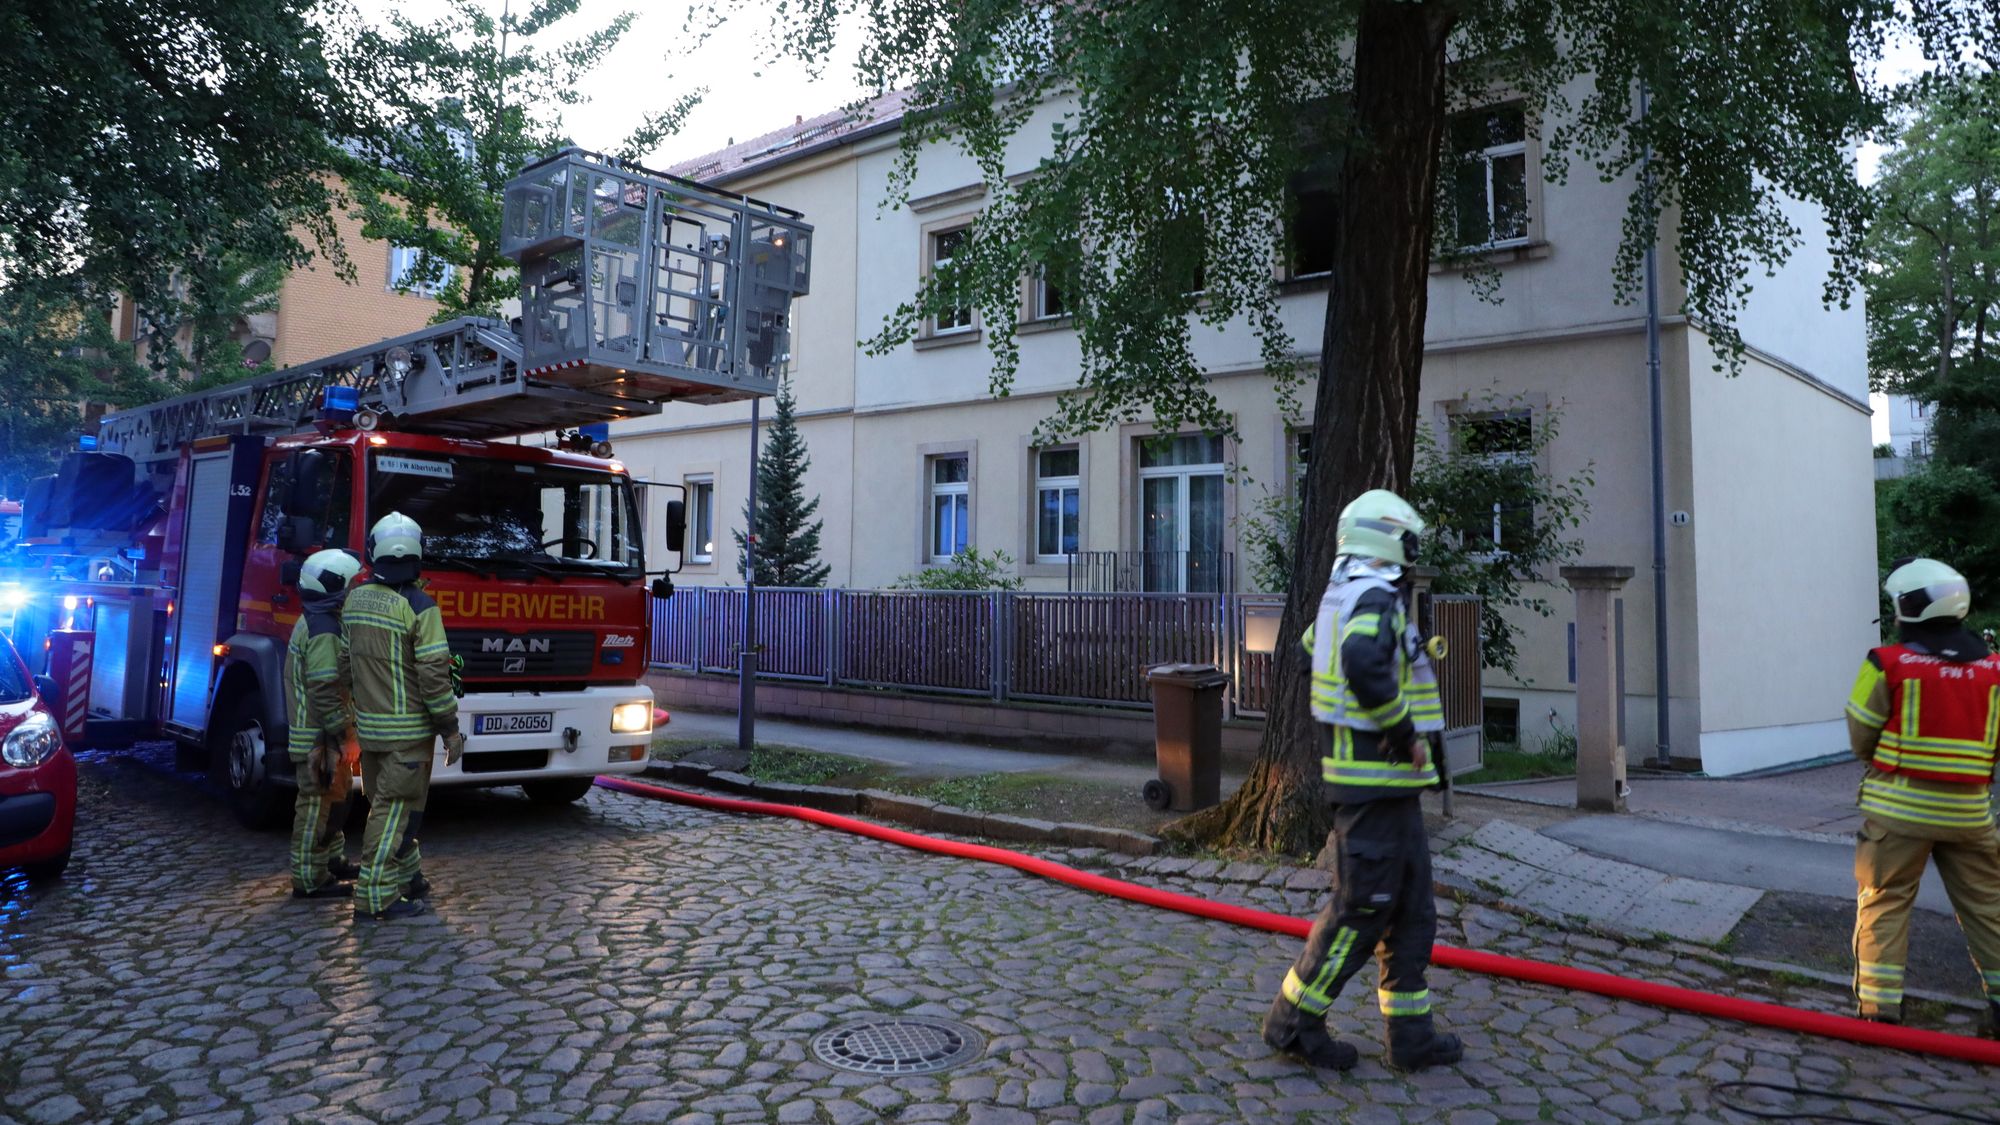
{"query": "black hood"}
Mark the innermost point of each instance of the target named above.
(322, 603)
(1950, 640)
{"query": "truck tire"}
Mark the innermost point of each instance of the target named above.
(557, 790)
(235, 744)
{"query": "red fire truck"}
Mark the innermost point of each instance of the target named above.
(169, 545)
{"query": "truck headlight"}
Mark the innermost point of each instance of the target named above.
(32, 743)
(632, 718)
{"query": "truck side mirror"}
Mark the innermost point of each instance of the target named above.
(663, 588)
(307, 492)
(677, 525)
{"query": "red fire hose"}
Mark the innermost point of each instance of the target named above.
(1450, 957)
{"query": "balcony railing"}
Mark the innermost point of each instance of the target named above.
(1151, 572)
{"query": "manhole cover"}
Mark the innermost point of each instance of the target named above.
(897, 1046)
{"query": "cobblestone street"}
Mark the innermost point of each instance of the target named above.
(628, 960)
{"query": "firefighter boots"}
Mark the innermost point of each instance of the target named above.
(325, 890)
(1289, 1031)
(1414, 1043)
(401, 908)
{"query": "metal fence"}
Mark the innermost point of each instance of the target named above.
(1082, 648)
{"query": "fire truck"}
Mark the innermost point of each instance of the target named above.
(167, 548)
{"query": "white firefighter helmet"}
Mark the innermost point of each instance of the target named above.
(1380, 525)
(395, 536)
(328, 572)
(1926, 590)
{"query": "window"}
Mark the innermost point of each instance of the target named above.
(1058, 497)
(1300, 460)
(951, 505)
(1491, 176)
(1502, 719)
(1500, 511)
(404, 263)
(511, 517)
(1312, 196)
(947, 245)
(1916, 409)
(1180, 514)
(701, 519)
(332, 505)
(1045, 300)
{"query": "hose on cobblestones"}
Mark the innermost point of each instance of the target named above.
(1779, 1016)
(1729, 1103)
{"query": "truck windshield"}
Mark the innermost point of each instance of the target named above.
(485, 510)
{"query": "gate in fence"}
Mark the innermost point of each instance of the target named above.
(1091, 649)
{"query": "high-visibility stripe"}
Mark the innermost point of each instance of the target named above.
(1863, 691)
(1875, 995)
(1363, 625)
(1876, 969)
(1403, 1003)
(1889, 796)
(305, 834)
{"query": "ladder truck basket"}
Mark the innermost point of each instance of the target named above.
(637, 284)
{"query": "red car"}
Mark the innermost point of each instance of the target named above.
(37, 776)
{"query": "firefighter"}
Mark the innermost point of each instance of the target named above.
(320, 727)
(1923, 716)
(1374, 691)
(402, 703)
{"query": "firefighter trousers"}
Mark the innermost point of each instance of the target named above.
(319, 819)
(1888, 864)
(397, 780)
(1382, 906)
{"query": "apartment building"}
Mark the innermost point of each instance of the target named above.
(318, 312)
(1770, 561)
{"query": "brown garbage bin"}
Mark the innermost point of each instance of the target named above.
(1187, 736)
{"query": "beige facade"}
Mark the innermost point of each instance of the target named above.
(320, 314)
(1769, 579)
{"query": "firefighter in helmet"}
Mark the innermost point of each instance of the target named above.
(1923, 716)
(1374, 690)
(321, 727)
(402, 702)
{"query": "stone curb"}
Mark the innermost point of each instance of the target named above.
(917, 813)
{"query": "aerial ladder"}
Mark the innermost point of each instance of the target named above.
(170, 539)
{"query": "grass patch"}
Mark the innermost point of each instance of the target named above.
(797, 767)
(1517, 765)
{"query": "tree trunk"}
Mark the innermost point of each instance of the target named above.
(1365, 410)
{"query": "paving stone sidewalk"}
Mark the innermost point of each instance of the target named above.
(627, 960)
(1561, 883)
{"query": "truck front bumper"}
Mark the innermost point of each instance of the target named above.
(578, 740)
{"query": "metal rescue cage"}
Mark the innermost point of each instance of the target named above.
(640, 284)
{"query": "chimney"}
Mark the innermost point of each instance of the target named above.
(798, 118)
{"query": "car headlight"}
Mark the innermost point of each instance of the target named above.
(632, 718)
(32, 743)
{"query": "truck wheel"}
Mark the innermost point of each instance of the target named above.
(557, 790)
(236, 744)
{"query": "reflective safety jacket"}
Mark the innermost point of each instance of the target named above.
(316, 677)
(1372, 683)
(1926, 717)
(401, 665)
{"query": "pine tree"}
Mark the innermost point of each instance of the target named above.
(787, 534)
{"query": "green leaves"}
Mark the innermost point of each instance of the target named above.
(467, 100)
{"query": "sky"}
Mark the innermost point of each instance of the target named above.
(653, 65)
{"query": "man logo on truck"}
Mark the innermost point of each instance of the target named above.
(513, 644)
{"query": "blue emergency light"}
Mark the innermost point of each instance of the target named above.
(596, 431)
(340, 405)
(87, 443)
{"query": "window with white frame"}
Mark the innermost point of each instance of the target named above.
(1045, 301)
(1181, 514)
(1501, 513)
(945, 246)
(701, 519)
(951, 505)
(1916, 408)
(1490, 176)
(1058, 503)
(404, 262)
